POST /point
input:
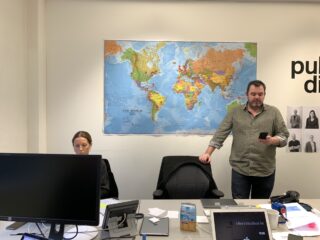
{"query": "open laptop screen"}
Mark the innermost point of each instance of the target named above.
(240, 224)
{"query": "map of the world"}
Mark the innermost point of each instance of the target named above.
(159, 87)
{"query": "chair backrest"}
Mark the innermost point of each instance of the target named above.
(185, 177)
(113, 185)
(188, 182)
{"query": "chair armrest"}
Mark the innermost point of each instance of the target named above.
(157, 194)
(217, 193)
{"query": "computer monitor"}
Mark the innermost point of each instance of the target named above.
(50, 188)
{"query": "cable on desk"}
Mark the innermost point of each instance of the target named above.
(41, 233)
(21, 233)
(76, 234)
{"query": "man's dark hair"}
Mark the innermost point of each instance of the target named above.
(256, 83)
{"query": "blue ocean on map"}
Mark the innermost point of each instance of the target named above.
(155, 87)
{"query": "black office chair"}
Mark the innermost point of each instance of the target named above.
(113, 185)
(185, 177)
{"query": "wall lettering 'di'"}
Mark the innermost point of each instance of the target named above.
(311, 85)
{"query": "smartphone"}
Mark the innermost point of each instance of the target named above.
(15, 225)
(263, 135)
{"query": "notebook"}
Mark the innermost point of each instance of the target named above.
(217, 203)
(160, 228)
(240, 223)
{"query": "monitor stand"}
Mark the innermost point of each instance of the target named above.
(84, 233)
(56, 231)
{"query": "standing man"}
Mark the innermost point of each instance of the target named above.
(252, 158)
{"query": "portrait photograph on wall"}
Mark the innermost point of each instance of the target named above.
(310, 141)
(303, 125)
(311, 117)
(294, 141)
(294, 119)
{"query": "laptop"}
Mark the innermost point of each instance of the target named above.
(217, 203)
(160, 228)
(240, 224)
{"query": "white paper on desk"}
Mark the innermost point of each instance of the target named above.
(310, 229)
(295, 222)
(266, 206)
(154, 219)
(202, 219)
(206, 212)
(109, 201)
(306, 233)
(284, 235)
(294, 209)
(173, 214)
(280, 235)
(101, 217)
(156, 211)
(297, 216)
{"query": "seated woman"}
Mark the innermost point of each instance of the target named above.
(82, 143)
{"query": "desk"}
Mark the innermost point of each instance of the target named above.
(203, 230)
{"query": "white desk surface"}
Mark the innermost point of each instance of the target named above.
(203, 230)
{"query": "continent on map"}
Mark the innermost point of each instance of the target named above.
(111, 47)
(232, 105)
(145, 64)
(214, 69)
(157, 101)
(251, 48)
(190, 90)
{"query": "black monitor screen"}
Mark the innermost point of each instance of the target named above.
(53, 188)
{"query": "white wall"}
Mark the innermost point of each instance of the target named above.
(13, 80)
(36, 75)
(22, 76)
(75, 30)
(75, 34)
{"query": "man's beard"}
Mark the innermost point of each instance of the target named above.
(255, 104)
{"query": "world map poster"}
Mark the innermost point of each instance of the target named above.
(161, 87)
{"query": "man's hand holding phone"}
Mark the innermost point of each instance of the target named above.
(267, 139)
(264, 138)
(263, 135)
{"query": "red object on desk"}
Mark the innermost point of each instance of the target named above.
(312, 225)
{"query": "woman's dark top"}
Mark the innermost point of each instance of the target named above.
(312, 124)
(108, 185)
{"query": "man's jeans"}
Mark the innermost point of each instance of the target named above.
(260, 187)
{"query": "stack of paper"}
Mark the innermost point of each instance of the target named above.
(298, 217)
